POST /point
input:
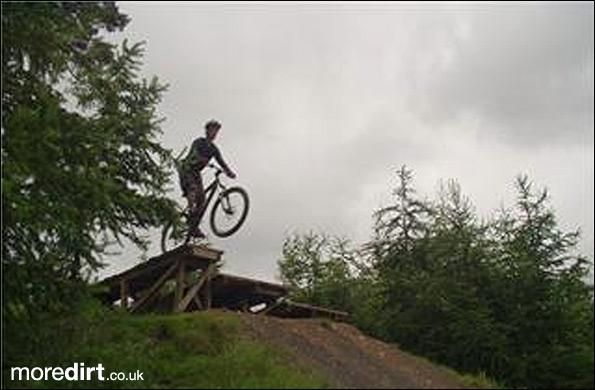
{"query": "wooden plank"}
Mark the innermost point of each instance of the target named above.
(197, 256)
(194, 289)
(297, 310)
(224, 280)
(207, 253)
(198, 303)
(268, 292)
(313, 308)
(208, 293)
(179, 284)
(139, 269)
(273, 306)
(154, 288)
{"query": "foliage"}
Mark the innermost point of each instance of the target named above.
(81, 166)
(317, 269)
(194, 350)
(80, 163)
(504, 297)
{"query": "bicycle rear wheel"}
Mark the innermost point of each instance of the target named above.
(175, 232)
(229, 211)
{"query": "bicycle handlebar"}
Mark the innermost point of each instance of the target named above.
(216, 168)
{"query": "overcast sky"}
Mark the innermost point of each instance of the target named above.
(321, 103)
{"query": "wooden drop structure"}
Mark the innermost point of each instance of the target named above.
(188, 279)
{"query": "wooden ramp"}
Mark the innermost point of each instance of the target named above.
(187, 278)
(184, 272)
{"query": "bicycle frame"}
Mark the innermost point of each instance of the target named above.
(181, 227)
(211, 190)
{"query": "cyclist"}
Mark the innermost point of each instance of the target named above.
(201, 152)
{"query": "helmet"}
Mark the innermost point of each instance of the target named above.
(212, 123)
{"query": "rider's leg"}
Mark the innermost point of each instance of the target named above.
(198, 200)
(190, 197)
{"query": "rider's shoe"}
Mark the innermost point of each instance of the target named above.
(196, 237)
(200, 241)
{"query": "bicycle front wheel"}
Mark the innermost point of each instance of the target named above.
(229, 211)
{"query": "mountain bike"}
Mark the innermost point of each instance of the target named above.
(227, 214)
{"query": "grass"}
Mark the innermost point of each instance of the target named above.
(193, 350)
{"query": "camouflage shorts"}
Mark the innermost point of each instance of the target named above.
(191, 183)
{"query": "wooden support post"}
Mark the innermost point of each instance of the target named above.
(151, 292)
(179, 292)
(124, 294)
(192, 292)
(208, 295)
(198, 303)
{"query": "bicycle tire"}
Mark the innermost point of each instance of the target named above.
(218, 205)
(171, 238)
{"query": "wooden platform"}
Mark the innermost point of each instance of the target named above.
(185, 271)
(187, 278)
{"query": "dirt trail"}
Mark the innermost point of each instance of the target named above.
(346, 356)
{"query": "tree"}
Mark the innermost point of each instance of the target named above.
(544, 300)
(81, 166)
(398, 225)
(327, 271)
(400, 230)
(506, 296)
(319, 269)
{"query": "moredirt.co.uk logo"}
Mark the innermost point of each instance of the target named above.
(76, 372)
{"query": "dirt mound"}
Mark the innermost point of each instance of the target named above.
(347, 357)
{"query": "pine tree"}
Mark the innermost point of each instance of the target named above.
(81, 166)
(544, 299)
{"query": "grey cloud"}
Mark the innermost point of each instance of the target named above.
(322, 102)
(527, 70)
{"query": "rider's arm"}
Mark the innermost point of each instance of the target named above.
(222, 163)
